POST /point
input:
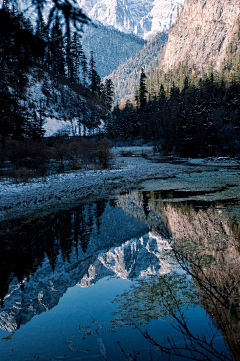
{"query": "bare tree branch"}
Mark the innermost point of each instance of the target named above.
(68, 11)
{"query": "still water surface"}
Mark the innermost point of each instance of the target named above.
(159, 261)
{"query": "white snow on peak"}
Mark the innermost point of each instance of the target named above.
(144, 18)
(146, 256)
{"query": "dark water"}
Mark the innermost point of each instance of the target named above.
(60, 275)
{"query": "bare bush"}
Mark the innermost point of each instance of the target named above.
(66, 153)
(23, 174)
(27, 153)
(103, 154)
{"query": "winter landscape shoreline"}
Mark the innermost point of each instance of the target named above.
(218, 178)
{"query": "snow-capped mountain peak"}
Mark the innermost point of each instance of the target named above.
(144, 18)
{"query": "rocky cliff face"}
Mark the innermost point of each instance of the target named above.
(144, 18)
(202, 33)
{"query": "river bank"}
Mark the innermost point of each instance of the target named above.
(131, 169)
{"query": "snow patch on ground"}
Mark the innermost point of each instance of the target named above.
(54, 126)
(63, 191)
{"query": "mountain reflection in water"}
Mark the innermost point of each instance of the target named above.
(129, 238)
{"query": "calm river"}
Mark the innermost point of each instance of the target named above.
(144, 276)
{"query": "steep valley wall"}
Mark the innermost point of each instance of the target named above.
(202, 33)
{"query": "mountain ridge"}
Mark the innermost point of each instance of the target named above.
(110, 46)
(144, 18)
(127, 75)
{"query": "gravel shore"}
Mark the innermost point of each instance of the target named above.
(63, 191)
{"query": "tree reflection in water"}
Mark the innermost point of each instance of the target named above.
(26, 244)
(169, 296)
(205, 243)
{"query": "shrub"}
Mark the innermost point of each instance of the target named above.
(23, 174)
(103, 154)
(27, 153)
(60, 153)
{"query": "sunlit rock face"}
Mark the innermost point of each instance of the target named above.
(215, 231)
(212, 226)
(202, 33)
(201, 225)
(216, 234)
(144, 18)
(210, 238)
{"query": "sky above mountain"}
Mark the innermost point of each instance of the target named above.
(144, 18)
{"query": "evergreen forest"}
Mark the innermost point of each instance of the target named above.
(44, 73)
(54, 61)
(184, 111)
(200, 118)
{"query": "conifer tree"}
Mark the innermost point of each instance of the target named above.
(102, 92)
(84, 67)
(109, 93)
(5, 107)
(93, 75)
(142, 91)
(150, 82)
(41, 30)
(77, 54)
(57, 60)
(42, 33)
(161, 94)
(136, 98)
(72, 57)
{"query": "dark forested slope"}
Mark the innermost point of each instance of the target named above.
(110, 46)
(126, 77)
(44, 75)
